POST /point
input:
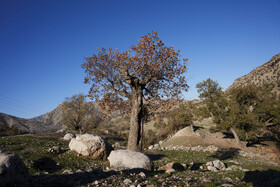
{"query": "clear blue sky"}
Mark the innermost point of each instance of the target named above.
(43, 43)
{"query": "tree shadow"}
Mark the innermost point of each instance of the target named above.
(195, 166)
(228, 135)
(226, 153)
(263, 178)
(46, 164)
(195, 128)
(154, 157)
(77, 179)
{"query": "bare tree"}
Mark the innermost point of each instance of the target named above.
(79, 115)
(145, 75)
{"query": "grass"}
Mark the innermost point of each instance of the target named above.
(34, 151)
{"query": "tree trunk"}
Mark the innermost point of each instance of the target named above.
(237, 140)
(134, 138)
(192, 130)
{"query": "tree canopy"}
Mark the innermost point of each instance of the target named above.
(146, 74)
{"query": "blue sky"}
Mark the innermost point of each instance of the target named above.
(43, 43)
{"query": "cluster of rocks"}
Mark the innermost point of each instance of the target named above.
(96, 147)
(210, 148)
(219, 165)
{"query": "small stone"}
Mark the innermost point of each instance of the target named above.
(127, 181)
(96, 182)
(226, 185)
(170, 171)
(219, 164)
(228, 179)
(204, 179)
(150, 147)
(142, 174)
(156, 146)
(67, 171)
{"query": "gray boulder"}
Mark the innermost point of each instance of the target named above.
(91, 146)
(69, 136)
(219, 164)
(12, 169)
(130, 159)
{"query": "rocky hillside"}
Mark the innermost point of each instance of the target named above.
(268, 73)
(53, 118)
(23, 125)
(51, 121)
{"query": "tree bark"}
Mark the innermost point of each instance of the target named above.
(237, 140)
(192, 129)
(134, 138)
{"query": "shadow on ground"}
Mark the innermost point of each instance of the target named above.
(226, 153)
(46, 164)
(154, 157)
(263, 178)
(75, 179)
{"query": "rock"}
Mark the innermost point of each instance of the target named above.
(234, 168)
(212, 168)
(170, 171)
(91, 146)
(219, 164)
(12, 169)
(127, 181)
(228, 179)
(69, 136)
(117, 145)
(142, 174)
(172, 165)
(129, 159)
(209, 164)
(212, 148)
(55, 149)
(150, 147)
(226, 185)
(204, 179)
(67, 171)
(156, 146)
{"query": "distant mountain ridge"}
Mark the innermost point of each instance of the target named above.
(23, 125)
(268, 73)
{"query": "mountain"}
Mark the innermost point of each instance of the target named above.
(52, 118)
(22, 125)
(268, 73)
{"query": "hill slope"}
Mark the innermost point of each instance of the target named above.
(23, 125)
(268, 73)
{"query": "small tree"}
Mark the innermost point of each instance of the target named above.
(145, 75)
(79, 115)
(185, 114)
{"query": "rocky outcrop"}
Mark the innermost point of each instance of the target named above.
(91, 146)
(266, 73)
(22, 125)
(12, 169)
(130, 159)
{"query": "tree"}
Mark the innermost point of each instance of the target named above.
(79, 115)
(185, 114)
(145, 75)
(211, 93)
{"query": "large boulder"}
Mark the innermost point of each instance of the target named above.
(91, 146)
(130, 159)
(12, 169)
